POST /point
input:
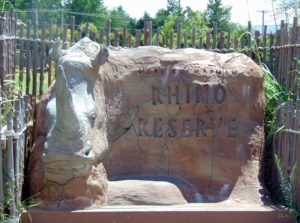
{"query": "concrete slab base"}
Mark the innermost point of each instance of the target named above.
(191, 213)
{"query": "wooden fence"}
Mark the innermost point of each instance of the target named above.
(13, 153)
(26, 62)
(286, 145)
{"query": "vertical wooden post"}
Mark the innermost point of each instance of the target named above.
(256, 36)
(178, 26)
(79, 32)
(185, 40)
(164, 41)
(236, 42)
(2, 53)
(222, 40)
(200, 42)
(43, 59)
(137, 37)
(28, 58)
(1, 159)
(207, 40)
(72, 20)
(145, 33)
(214, 37)
(194, 38)
(271, 55)
(65, 43)
(10, 165)
(249, 39)
(124, 36)
(172, 39)
(87, 29)
(21, 62)
(50, 58)
(101, 36)
(35, 56)
(116, 43)
(264, 44)
(150, 33)
(108, 30)
(17, 152)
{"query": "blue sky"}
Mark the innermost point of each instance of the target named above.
(242, 10)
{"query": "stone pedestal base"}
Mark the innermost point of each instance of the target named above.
(191, 213)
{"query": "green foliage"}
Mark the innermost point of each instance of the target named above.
(120, 18)
(275, 94)
(217, 14)
(91, 6)
(286, 184)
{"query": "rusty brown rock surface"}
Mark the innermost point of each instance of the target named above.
(187, 114)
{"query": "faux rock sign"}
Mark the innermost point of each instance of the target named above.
(163, 126)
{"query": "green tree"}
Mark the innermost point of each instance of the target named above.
(120, 18)
(217, 14)
(79, 7)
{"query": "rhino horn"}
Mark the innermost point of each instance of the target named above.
(101, 57)
(66, 116)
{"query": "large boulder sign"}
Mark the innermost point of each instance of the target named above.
(149, 126)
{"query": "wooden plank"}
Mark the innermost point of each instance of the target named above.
(200, 42)
(87, 29)
(116, 40)
(21, 63)
(157, 36)
(2, 53)
(249, 38)
(164, 41)
(14, 44)
(297, 189)
(79, 32)
(207, 40)
(72, 27)
(236, 42)
(124, 34)
(137, 37)
(101, 36)
(43, 59)
(171, 40)
(146, 32)
(108, 30)
(222, 40)
(17, 152)
(185, 39)
(256, 36)
(271, 53)
(28, 58)
(49, 57)
(214, 37)
(35, 56)
(65, 43)
(10, 165)
(194, 38)
(150, 33)
(178, 29)
(1, 159)
(264, 57)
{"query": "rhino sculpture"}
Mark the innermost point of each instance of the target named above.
(148, 126)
